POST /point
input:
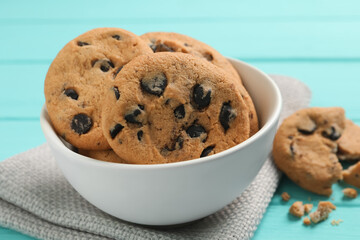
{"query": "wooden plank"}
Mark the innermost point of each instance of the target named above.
(184, 9)
(241, 39)
(21, 135)
(24, 96)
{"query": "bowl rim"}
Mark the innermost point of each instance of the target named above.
(51, 135)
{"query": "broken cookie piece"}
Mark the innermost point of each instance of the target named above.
(308, 207)
(322, 212)
(297, 209)
(349, 142)
(305, 148)
(307, 221)
(352, 175)
(350, 193)
(285, 196)
(336, 222)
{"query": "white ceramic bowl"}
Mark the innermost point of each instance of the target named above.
(175, 193)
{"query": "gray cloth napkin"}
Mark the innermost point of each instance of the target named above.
(36, 199)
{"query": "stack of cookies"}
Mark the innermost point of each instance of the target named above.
(157, 98)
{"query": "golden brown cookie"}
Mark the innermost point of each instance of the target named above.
(173, 107)
(305, 148)
(352, 175)
(349, 143)
(75, 81)
(176, 42)
(102, 155)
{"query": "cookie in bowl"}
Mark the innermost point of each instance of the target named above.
(176, 42)
(75, 81)
(170, 107)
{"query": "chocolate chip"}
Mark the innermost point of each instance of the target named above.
(81, 123)
(179, 112)
(71, 93)
(208, 56)
(115, 130)
(117, 37)
(117, 93)
(117, 71)
(227, 114)
(307, 127)
(133, 115)
(161, 48)
(140, 135)
(307, 132)
(80, 43)
(201, 96)
(331, 133)
(104, 64)
(179, 143)
(153, 47)
(186, 45)
(142, 107)
(206, 151)
(195, 131)
(176, 145)
(155, 84)
(292, 150)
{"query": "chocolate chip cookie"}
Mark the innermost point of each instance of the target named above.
(176, 42)
(349, 143)
(170, 107)
(305, 148)
(75, 81)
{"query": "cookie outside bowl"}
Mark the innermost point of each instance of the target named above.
(175, 193)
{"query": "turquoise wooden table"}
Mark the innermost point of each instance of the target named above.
(314, 41)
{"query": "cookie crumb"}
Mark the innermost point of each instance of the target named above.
(285, 196)
(322, 212)
(297, 209)
(308, 207)
(350, 193)
(336, 222)
(307, 221)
